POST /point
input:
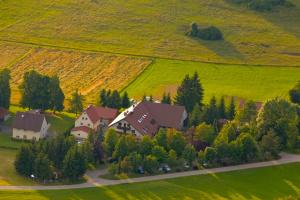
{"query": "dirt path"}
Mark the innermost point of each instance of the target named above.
(94, 180)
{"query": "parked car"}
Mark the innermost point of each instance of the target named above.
(140, 170)
(164, 168)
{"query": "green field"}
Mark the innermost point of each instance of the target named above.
(257, 184)
(8, 174)
(250, 82)
(7, 142)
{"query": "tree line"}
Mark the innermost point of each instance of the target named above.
(59, 158)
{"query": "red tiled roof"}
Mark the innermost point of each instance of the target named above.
(148, 117)
(81, 128)
(28, 121)
(97, 113)
(3, 112)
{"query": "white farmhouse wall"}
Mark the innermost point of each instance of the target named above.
(84, 120)
(26, 134)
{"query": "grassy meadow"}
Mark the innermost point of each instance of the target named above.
(8, 174)
(257, 184)
(156, 28)
(250, 82)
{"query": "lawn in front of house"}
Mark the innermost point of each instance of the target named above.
(8, 174)
(61, 122)
(6, 141)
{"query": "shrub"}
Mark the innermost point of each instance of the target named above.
(113, 168)
(189, 153)
(208, 33)
(160, 153)
(150, 164)
(125, 165)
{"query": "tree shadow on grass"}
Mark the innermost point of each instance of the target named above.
(287, 18)
(223, 48)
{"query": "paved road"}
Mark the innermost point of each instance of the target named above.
(94, 180)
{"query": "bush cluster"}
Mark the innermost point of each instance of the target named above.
(207, 33)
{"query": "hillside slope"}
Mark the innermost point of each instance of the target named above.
(156, 28)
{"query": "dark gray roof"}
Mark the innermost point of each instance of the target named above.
(148, 117)
(29, 121)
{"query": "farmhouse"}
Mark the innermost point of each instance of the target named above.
(4, 114)
(93, 118)
(145, 118)
(30, 126)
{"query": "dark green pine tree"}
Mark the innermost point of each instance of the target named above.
(125, 100)
(5, 88)
(211, 113)
(74, 164)
(103, 98)
(43, 168)
(189, 93)
(166, 98)
(231, 109)
(222, 108)
(25, 160)
(198, 90)
(115, 100)
(57, 96)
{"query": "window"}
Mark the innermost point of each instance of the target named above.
(82, 118)
(81, 124)
(120, 124)
(18, 136)
(133, 131)
(89, 125)
(24, 137)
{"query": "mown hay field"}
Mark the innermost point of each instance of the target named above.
(88, 72)
(157, 28)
